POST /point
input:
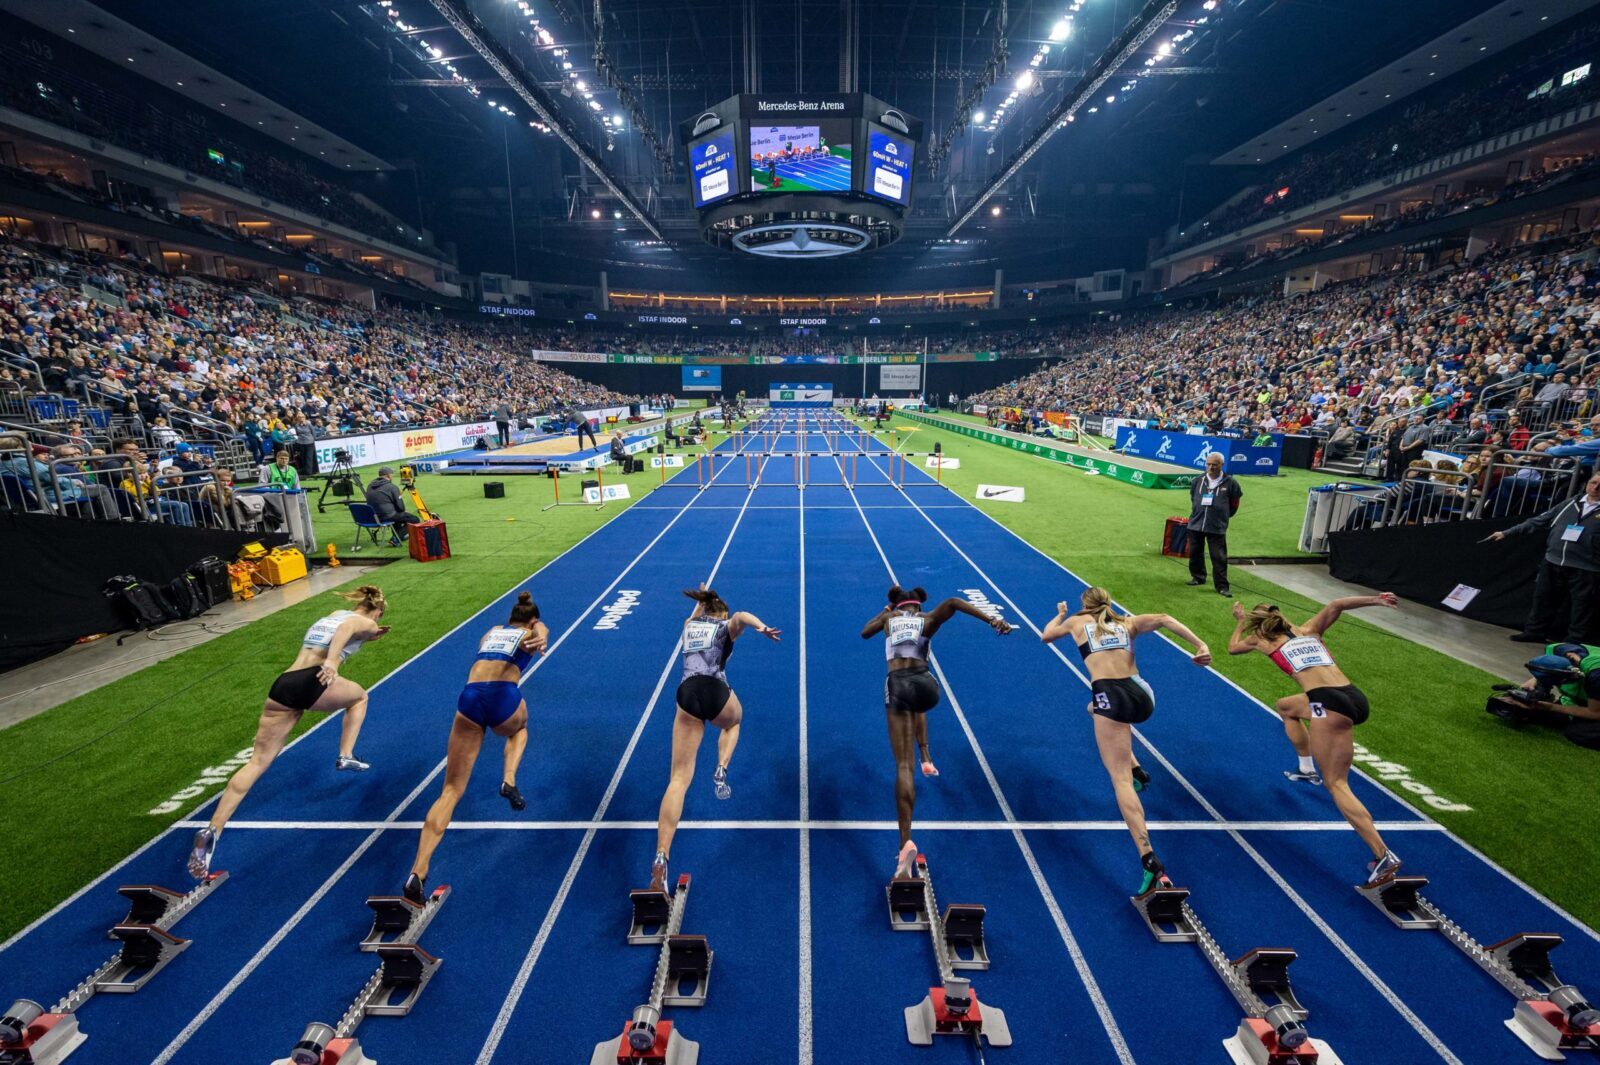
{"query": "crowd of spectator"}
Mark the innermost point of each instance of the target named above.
(1499, 97)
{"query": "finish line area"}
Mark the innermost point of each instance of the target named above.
(790, 875)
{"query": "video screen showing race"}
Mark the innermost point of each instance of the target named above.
(809, 158)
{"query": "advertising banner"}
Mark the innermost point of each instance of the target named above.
(795, 394)
(1094, 463)
(1184, 449)
(366, 449)
(702, 378)
(900, 378)
(541, 355)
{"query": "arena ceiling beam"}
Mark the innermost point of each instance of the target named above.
(545, 106)
(1144, 25)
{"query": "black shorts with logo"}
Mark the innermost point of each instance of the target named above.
(911, 691)
(1125, 699)
(1347, 700)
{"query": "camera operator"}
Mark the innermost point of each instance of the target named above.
(1563, 691)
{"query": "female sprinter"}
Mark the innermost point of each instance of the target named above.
(910, 690)
(1121, 699)
(1318, 721)
(312, 683)
(703, 696)
(491, 702)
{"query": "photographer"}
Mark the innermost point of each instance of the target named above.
(1563, 691)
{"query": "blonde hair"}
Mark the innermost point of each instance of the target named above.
(1097, 604)
(1267, 621)
(366, 597)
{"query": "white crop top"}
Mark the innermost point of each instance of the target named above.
(320, 634)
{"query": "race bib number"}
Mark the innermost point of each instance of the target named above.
(1102, 701)
(502, 641)
(699, 636)
(1304, 653)
(904, 630)
(1318, 710)
(321, 634)
(1108, 639)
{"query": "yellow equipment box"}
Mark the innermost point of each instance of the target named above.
(282, 565)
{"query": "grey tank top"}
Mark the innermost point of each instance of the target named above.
(705, 647)
(902, 637)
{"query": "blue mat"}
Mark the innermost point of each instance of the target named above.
(790, 872)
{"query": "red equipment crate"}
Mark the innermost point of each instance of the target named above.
(429, 542)
(1175, 540)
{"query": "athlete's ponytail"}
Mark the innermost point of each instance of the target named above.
(1267, 621)
(710, 602)
(898, 595)
(1097, 604)
(526, 609)
(366, 597)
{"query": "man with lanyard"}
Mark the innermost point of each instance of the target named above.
(1213, 498)
(1570, 566)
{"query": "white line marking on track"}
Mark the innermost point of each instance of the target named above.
(1096, 996)
(260, 956)
(830, 826)
(1333, 937)
(519, 984)
(805, 1033)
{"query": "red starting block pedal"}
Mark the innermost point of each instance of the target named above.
(46, 1038)
(1546, 1029)
(670, 1049)
(1256, 1043)
(955, 1010)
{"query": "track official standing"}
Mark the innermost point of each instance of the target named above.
(502, 423)
(1571, 567)
(584, 428)
(1213, 498)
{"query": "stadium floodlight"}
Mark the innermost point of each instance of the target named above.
(616, 214)
(1025, 79)
(545, 37)
(1111, 99)
(1061, 30)
(595, 213)
(616, 119)
(1165, 48)
(597, 105)
(583, 86)
(979, 118)
(566, 64)
(995, 210)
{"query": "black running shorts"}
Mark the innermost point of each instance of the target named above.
(911, 691)
(298, 689)
(1347, 700)
(703, 697)
(1125, 699)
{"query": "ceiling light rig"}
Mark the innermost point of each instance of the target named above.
(995, 67)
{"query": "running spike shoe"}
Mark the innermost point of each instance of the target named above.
(908, 855)
(1313, 778)
(1155, 874)
(344, 763)
(1381, 870)
(928, 768)
(1141, 779)
(658, 873)
(510, 794)
(205, 843)
(415, 889)
(719, 783)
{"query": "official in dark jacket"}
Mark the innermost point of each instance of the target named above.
(1213, 498)
(1571, 568)
(383, 496)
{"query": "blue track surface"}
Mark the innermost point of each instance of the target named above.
(790, 873)
(830, 173)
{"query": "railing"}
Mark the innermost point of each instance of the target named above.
(22, 362)
(1512, 483)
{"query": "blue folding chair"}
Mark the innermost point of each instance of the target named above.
(366, 520)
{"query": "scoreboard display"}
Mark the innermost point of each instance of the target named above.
(841, 144)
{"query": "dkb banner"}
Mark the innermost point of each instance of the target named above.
(1183, 449)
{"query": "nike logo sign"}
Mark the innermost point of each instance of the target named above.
(991, 495)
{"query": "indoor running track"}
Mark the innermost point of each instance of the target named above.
(789, 874)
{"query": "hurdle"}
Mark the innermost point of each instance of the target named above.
(404, 970)
(682, 977)
(1273, 1030)
(32, 1035)
(555, 480)
(952, 1008)
(1551, 1016)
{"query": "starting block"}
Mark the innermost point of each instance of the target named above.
(319, 1046)
(32, 1035)
(952, 1008)
(1550, 1017)
(681, 978)
(396, 919)
(1273, 1030)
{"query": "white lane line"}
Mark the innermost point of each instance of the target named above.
(831, 826)
(97, 881)
(1096, 996)
(299, 915)
(805, 1033)
(519, 983)
(1423, 815)
(1294, 896)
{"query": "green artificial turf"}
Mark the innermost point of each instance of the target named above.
(84, 775)
(1523, 785)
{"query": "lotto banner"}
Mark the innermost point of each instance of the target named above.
(1183, 449)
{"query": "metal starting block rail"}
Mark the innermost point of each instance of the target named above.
(1273, 1031)
(682, 977)
(404, 970)
(32, 1035)
(952, 1008)
(1551, 1016)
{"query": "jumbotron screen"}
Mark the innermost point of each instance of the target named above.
(810, 157)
